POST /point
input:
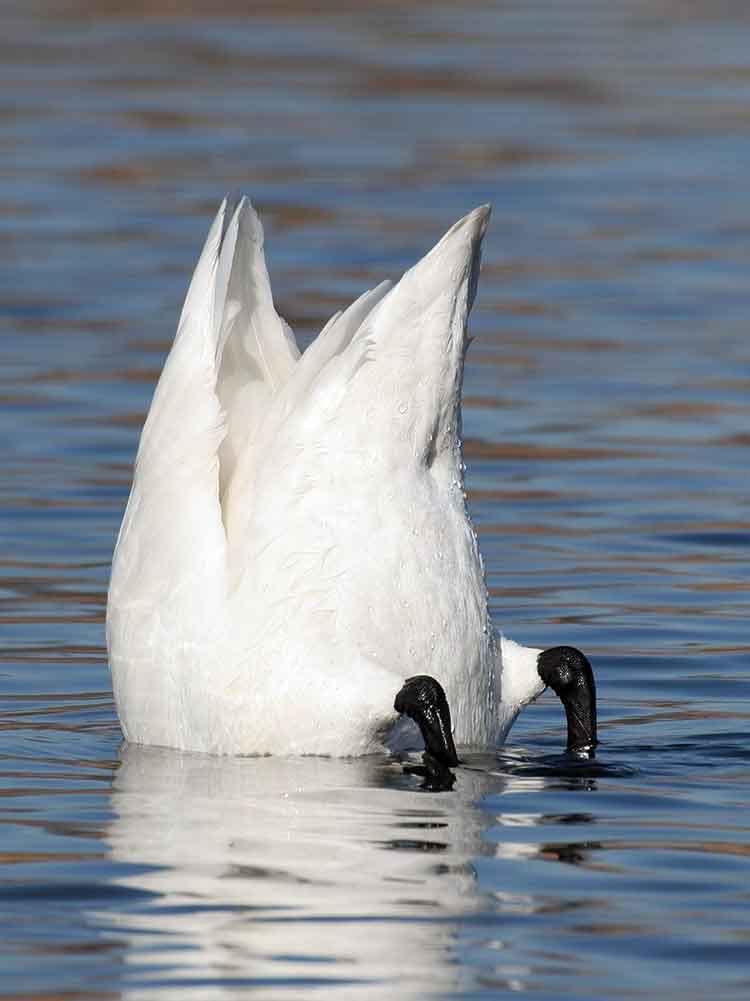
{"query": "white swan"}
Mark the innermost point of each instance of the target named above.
(296, 542)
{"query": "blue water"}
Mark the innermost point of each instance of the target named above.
(606, 419)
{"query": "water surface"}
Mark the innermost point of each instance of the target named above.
(607, 406)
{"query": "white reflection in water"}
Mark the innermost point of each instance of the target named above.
(293, 871)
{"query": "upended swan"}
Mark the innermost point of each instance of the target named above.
(296, 571)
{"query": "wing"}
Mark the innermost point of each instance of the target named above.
(331, 343)
(256, 349)
(418, 338)
(230, 355)
(362, 476)
(390, 396)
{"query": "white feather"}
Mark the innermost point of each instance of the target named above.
(296, 541)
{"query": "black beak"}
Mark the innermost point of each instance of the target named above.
(568, 673)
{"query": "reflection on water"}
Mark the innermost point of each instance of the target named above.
(292, 872)
(606, 428)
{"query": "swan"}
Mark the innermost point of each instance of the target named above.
(296, 571)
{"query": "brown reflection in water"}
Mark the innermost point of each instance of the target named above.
(136, 172)
(736, 849)
(477, 448)
(23, 858)
(503, 339)
(235, 8)
(532, 528)
(408, 80)
(57, 375)
(60, 653)
(71, 701)
(741, 439)
(470, 402)
(682, 714)
(570, 853)
(685, 408)
(486, 153)
(519, 495)
(609, 929)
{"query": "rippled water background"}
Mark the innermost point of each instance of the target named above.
(606, 424)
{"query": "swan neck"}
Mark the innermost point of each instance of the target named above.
(518, 681)
(507, 713)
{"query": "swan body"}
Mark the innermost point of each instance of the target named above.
(296, 542)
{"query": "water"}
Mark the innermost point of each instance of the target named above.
(606, 424)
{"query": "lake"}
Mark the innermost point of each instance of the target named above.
(607, 438)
